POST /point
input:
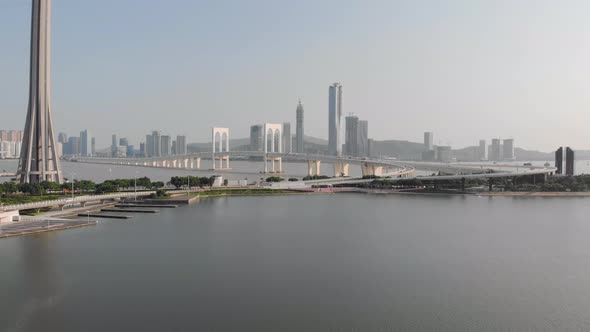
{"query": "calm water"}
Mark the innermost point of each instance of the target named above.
(342, 262)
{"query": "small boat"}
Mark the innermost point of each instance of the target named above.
(547, 164)
(527, 164)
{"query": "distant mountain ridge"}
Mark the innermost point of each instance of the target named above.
(396, 148)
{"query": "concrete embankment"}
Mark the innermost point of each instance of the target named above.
(535, 194)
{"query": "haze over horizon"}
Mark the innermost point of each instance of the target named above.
(466, 70)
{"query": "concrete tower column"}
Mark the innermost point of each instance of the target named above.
(38, 159)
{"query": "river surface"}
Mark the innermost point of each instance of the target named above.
(343, 262)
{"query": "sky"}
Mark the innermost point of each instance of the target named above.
(464, 69)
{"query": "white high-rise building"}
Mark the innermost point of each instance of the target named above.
(335, 120)
(287, 138)
(482, 150)
(428, 141)
(508, 149)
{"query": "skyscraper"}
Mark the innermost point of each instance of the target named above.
(157, 143)
(363, 138)
(299, 134)
(149, 146)
(334, 120)
(166, 145)
(256, 138)
(123, 141)
(38, 159)
(351, 136)
(428, 141)
(287, 138)
(495, 150)
(62, 138)
(73, 146)
(114, 145)
(85, 144)
(482, 150)
(181, 144)
(559, 160)
(508, 149)
(569, 161)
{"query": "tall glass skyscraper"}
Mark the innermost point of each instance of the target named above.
(299, 134)
(85, 144)
(334, 120)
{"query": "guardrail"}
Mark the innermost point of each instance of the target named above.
(72, 201)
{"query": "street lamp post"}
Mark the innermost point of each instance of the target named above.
(135, 185)
(188, 186)
(73, 175)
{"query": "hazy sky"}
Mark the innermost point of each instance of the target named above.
(463, 69)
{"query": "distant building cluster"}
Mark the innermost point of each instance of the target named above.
(10, 143)
(499, 150)
(158, 145)
(435, 153)
(76, 146)
(356, 141)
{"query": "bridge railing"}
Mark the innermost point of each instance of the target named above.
(72, 201)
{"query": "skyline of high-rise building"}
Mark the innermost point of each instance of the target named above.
(287, 139)
(166, 145)
(569, 162)
(335, 119)
(363, 140)
(482, 150)
(156, 143)
(351, 135)
(85, 144)
(495, 150)
(300, 129)
(256, 137)
(508, 149)
(428, 140)
(181, 145)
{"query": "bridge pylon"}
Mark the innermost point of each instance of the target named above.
(220, 151)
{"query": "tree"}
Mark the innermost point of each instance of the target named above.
(8, 187)
(178, 181)
(157, 184)
(31, 188)
(106, 187)
(274, 179)
(85, 185)
(144, 182)
(47, 185)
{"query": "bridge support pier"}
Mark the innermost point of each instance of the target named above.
(341, 169)
(196, 163)
(221, 162)
(313, 167)
(372, 170)
(61, 207)
(273, 161)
